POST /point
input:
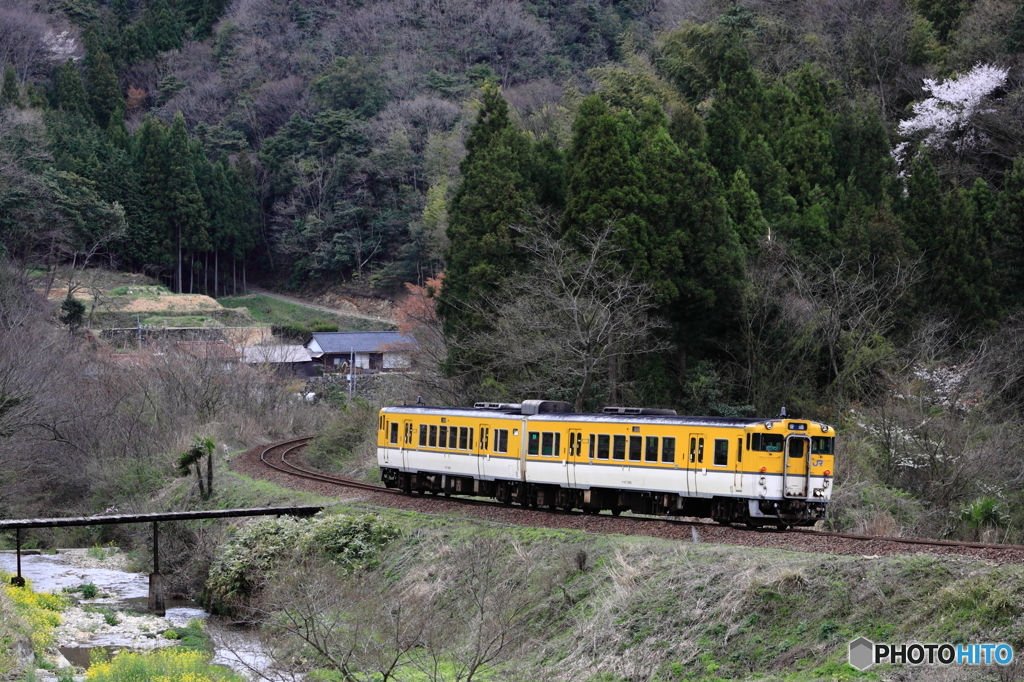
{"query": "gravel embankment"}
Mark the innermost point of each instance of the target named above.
(248, 463)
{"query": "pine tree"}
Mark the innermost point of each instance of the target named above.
(489, 202)
(181, 200)
(104, 90)
(69, 93)
(10, 93)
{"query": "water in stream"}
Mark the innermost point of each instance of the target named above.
(235, 648)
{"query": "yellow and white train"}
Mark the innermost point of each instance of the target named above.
(540, 453)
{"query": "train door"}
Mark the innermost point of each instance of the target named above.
(737, 477)
(407, 442)
(573, 456)
(483, 448)
(695, 467)
(795, 470)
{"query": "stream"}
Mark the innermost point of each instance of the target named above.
(127, 593)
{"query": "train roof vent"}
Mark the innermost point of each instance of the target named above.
(497, 406)
(545, 406)
(638, 410)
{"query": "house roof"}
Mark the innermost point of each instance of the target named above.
(361, 342)
(275, 354)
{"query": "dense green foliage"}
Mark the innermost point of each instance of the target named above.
(251, 556)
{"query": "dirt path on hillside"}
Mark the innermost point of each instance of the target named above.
(315, 306)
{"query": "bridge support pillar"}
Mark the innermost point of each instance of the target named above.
(156, 581)
(17, 580)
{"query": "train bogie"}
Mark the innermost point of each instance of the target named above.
(540, 454)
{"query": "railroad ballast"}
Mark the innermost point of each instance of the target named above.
(650, 461)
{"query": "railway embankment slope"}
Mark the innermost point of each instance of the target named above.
(574, 605)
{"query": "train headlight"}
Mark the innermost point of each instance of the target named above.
(767, 425)
(824, 429)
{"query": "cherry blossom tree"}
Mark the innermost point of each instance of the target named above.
(948, 119)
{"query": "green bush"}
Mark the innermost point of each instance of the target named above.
(250, 558)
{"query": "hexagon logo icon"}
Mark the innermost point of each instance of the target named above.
(862, 653)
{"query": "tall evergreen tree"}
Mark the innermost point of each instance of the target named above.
(1009, 251)
(104, 91)
(490, 201)
(605, 181)
(148, 239)
(922, 210)
(181, 200)
(69, 93)
(962, 271)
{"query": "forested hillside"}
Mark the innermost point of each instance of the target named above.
(720, 207)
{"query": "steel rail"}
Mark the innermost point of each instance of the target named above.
(322, 477)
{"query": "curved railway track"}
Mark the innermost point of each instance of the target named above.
(275, 457)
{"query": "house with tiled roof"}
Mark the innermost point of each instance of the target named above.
(365, 351)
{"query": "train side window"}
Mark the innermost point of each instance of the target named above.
(433, 436)
(442, 437)
(739, 449)
(748, 441)
(822, 445)
(619, 447)
(757, 443)
(533, 443)
(558, 445)
(463, 438)
(602, 446)
(700, 451)
(547, 443)
(771, 442)
(668, 450)
(501, 440)
(693, 449)
(593, 442)
(380, 423)
(721, 452)
(651, 454)
(394, 433)
(636, 446)
(423, 435)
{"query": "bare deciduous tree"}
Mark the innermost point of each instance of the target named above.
(571, 315)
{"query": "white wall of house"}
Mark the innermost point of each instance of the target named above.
(397, 361)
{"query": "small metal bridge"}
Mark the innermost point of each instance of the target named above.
(156, 586)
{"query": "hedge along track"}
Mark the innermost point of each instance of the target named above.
(275, 456)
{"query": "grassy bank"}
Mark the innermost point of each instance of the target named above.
(574, 606)
(273, 311)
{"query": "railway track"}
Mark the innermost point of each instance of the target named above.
(276, 457)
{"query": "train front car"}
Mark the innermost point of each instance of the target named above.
(792, 462)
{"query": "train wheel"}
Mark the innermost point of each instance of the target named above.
(782, 526)
(616, 511)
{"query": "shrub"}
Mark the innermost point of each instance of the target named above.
(249, 558)
(166, 665)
